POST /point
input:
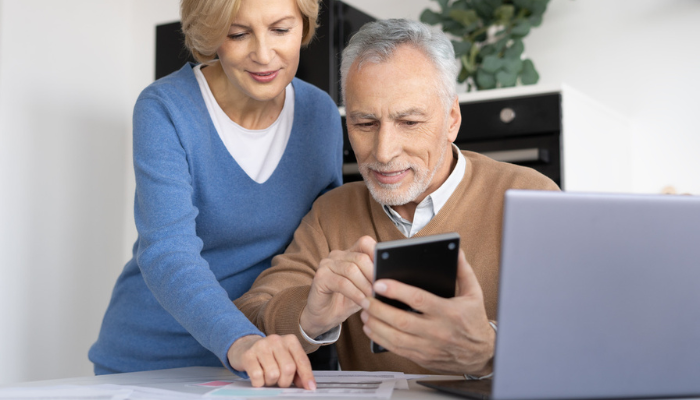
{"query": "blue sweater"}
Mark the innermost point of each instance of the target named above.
(205, 229)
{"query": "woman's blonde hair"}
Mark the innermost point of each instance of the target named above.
(205, 24)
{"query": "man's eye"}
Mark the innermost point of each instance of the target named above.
(411, 123)
(364, 124)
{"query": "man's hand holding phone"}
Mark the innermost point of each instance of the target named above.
(447, 335)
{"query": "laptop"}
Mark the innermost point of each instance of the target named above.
(599, 297)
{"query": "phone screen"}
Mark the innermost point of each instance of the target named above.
(428, 262)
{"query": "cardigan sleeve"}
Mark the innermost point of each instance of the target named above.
(338, 150)
(169, 252)
(278, 296)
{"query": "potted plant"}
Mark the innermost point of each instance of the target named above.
(489, 39)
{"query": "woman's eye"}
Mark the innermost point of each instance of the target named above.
(236, 36)
(280, 31)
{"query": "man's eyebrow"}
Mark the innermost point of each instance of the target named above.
(235, 25)
(396, 115)
(361, 115)
(407, 113)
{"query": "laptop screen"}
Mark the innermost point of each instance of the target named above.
(599, 296)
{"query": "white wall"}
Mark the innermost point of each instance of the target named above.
(69, 75)
(63, 124)
(70, 72)
(145, 16)
(638, 57)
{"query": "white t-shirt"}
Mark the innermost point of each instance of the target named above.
(257, 152)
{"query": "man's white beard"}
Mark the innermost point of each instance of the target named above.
(389, 194)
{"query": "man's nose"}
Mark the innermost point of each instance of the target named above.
(386, 146)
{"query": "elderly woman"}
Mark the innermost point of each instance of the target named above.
(229, 155)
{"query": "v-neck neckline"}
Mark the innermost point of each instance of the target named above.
(222, 146)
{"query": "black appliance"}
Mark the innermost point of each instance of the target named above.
(320, 60)
(523, 130)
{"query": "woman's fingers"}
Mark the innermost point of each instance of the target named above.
(276, 360)
(304, 376)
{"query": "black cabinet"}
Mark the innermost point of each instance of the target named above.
(520, 130)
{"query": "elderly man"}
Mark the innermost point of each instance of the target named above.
(398, 81)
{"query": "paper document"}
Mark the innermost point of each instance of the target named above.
(378, 385)
(94, 392)
(219, 385)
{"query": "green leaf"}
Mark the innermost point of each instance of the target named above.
(468, 64)
(529, 76)
(526, 4)
(484, 80)
(443, 4)
(463, 75)
(485, 8)
(521, 29)
(513, 65)
(499, 45)
(488, 50)
(535, 20)
(507, 79)
(473, 53)
(481, 38)
(491, 64)
(504, 13)
(500, 32)
(539, 7)
(454, 27)
(461, 48)
(515, 49)
(465, 17)
(430, 17)
(460, 5)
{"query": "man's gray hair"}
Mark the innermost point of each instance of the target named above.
(376, 42)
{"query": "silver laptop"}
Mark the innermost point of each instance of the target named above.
(599, 298)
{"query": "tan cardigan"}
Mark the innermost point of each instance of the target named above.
(341, 216)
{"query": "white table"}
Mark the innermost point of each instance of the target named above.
(178, 379)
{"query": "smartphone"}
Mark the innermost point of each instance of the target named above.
(428, 262)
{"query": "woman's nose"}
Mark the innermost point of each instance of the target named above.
(262, 52)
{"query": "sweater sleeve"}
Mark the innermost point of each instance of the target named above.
(278, 296)
(169, 252)
(338, 150)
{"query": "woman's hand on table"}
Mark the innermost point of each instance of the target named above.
(272, 360)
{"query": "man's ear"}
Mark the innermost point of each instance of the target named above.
(454, 119)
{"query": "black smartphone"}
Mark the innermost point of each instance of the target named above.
(428, 262)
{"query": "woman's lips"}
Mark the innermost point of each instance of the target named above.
(264, 77)
(390, 177)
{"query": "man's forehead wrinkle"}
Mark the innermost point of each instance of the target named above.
(406, 113)
(392, 114)
(361, 115)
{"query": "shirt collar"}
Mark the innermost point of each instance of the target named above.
(433, 203)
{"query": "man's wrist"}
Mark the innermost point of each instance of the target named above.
(308, 327)
(329, 337)
(471, 377)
